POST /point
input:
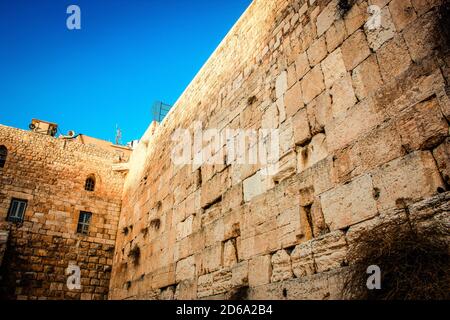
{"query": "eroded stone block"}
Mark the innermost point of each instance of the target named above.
(349, 204)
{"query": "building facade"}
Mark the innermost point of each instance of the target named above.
(60, 201)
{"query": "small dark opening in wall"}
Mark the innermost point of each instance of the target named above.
(290, 249)
(344, 6)
(215, 201)
(3, 156)
(199, 177)
(125, 230)
(155, 223)
(376, 193)
(447, 180)
(251, 100)
(309, 218)
(239, 293)
(89, 185)
(135, 255)
(285, 293)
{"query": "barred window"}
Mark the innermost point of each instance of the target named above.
(90, 184)
(3, 155)
(83, 222)
(16, 210)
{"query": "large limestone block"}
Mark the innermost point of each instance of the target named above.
(343, 95)
(319, 113)
(185, 269)
(421, 36)
(312, 84)
(326, 18)
(410, 178)
(333, 68)
(317, 52)
(442, 156)
(350, 125)
(184, 228)
(329, 251)
(186, 290)
(403, 13)
(215, 187)
(377, 36)
(355, 50)
(302, 132)
(366, 77)
(281, 84)
(393, 58)
(302, 260)
(311, 154)
(204, 286)
(349, 204)
(423, 126)
(240, 274)
(301, 65)
(336, 35)
(270, 117)
(212, 258)
(378, 147)
(214, 232)
(319, 226)
(293, 100)
(356, 17)
(253, 187)
(260, 271)
(222, 281)
(281, 266)
(286, 167)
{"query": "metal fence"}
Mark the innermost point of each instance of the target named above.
(160, 110)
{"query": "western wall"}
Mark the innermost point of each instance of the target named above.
(358, 92)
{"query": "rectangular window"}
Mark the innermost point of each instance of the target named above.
(83, 222)
(16, 210)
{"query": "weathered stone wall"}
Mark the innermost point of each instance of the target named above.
(363, 119)
(50, 173)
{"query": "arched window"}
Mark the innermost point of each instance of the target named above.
(3, 155)
(90, 184)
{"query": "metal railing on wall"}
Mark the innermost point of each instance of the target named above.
(160, 110)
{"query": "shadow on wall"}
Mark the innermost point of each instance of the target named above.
(443, 29)
(8, 278)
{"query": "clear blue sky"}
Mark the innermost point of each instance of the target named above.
(128, 54)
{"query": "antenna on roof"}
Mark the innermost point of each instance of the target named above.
(118, 135)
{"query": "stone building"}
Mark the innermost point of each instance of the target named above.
(60, 201)
(358, 95)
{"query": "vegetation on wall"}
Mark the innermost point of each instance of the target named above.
(414, 263)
